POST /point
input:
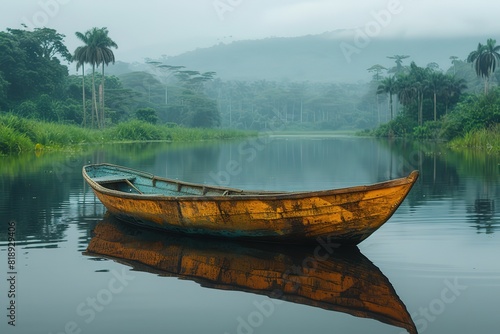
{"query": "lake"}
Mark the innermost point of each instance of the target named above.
(436, 260)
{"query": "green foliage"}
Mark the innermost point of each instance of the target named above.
(51, 43)
(12, 141)
(473, 113)
(401, 126)
(184, 103)
(429, 130)
(434, 106)
(47, 109)
(485, 59)
(19, 125)
(180, 134)
(388, 86)
(27, 109)
(136, 130)
(4, 85)
(488, 139)
(35, 85)
(139, 90)
(198, 111)
(19, 134)
(28, 64)
(486, 112)
(148, 115)
(96, 51)
(424, 93)
(259, 104)
(474, 118)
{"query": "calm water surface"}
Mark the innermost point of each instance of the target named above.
(437, 259)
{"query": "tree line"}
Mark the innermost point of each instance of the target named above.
(435, 104)
(415, 86)
(35, 83)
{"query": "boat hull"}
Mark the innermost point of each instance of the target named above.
(346, 216)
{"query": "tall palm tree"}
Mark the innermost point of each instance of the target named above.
(405, 90)
(96, 52)
(474, 56)
(388, 86)
(412, 87)
(434, 84)
(79, 57)
(83, 54)
(377, 69)
(105, 44)
(420, 84)
(485, 59)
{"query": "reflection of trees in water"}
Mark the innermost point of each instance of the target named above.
(482, 212)
(469, 175)
(477, 164)
(438, 177)
(44, 194)
(483, 215)
(34, 202)
(90, 212)
(481, 169)
(295, 163)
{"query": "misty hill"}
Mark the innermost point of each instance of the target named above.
(316, 58)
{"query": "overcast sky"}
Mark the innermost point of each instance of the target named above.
(150, 28)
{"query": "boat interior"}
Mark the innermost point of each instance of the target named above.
(136, 182)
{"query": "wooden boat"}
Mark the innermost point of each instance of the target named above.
(346, 216)
(341, 280)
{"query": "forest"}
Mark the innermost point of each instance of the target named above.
(427, 103)
(403, 100)
(35, 83)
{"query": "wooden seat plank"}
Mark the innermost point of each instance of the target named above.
(113, 179)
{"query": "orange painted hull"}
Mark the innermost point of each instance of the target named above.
(323, 276)
(346, 216)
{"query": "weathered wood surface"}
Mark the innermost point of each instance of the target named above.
(347, 215)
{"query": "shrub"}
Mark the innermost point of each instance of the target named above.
(401, 126)
(147, 115)
(12, 141)
(135, 130)
(430, 130)
(482, 138)
(20, 125)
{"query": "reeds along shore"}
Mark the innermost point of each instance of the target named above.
(19, 134)
(488, 139)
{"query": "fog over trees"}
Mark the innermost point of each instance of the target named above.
(297, 83)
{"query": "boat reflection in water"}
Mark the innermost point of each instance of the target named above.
(342, 279)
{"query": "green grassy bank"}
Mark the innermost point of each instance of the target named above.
(19, 135)
(484, 139)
